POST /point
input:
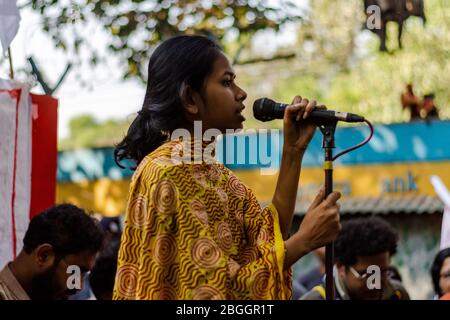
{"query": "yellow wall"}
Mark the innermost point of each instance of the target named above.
(364, 180)
(103, 196)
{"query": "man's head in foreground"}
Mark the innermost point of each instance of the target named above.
(61, 242)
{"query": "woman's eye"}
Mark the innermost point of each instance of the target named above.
(227, 83)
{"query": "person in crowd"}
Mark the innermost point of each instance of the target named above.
(315, 276)
(59, 248)
(312, 278)
(363, 251)
(440, 274)
(102, 276)
(411, 102)
(429, 107)
(105, 265)
(193, 230)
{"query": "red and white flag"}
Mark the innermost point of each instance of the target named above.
(28, 153)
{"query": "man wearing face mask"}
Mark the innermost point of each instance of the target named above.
(60, 243)
(363, 251)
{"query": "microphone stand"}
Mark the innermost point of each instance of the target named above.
(328, 128)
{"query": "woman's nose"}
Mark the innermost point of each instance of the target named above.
(242, 95)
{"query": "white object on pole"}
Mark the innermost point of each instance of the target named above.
(9, 22)
(15, 167)
(444, 195)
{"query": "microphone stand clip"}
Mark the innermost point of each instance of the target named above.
(328, 128)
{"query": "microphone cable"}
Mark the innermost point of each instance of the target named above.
(358, 145)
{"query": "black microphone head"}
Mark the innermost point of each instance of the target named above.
(263, 109)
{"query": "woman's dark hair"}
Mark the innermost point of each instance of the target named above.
(364, 237)
(176, 63)
(67, 228)
(436, 269)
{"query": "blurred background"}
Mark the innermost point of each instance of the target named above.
(317, 49)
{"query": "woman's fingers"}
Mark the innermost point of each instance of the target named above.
(318, 199)
(309, 108)
(303, 105)
(292, 110)
(332, 198)
(296, 100)
(302, 108)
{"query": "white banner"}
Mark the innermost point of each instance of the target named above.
(15, 167)
(9, 22)
(444, 195)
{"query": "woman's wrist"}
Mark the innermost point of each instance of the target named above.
(295, 248)
(292, 154)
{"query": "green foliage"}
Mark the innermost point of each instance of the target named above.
(136, 26)
(86, 132)
(379, 79)
(334, 66)
(364, 80)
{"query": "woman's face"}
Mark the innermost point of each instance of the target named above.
(222, 102)
(444, 281)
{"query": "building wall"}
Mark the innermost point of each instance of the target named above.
(419, 237)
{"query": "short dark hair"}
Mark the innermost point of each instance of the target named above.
(364, 237)
(436, 269)
(67, 228)
(181, 61)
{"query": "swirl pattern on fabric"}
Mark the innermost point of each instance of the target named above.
(195, 231)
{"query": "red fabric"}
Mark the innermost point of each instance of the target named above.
(44, 153)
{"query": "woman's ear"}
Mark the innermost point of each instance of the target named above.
(191, 102)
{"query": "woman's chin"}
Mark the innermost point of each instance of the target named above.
(241, 124)
(239, 128)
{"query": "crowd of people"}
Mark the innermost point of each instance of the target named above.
(192, 229)
(66, 235)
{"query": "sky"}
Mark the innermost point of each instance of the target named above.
(109, 95)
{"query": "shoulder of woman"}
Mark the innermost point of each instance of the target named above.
(159, 159)
(151, 168)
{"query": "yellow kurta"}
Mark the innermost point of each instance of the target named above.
(195, 231)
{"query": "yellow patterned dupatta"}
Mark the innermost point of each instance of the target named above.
(195, 231)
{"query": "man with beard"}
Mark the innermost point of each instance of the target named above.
(364, 246)
(60, 242)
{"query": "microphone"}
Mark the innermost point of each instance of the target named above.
(265, 109)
